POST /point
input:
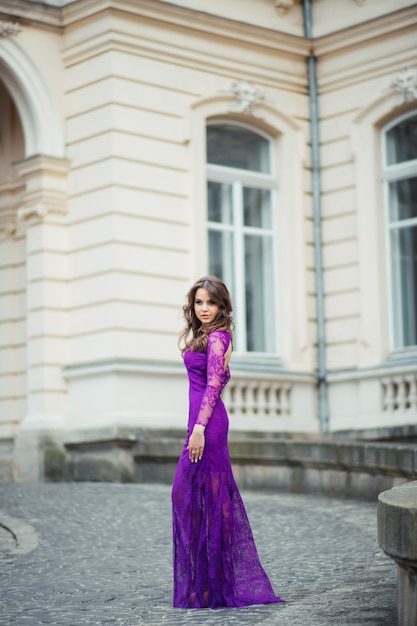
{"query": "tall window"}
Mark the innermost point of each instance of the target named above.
(400, 176)
(241, 225)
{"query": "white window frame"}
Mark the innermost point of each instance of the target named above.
(238, 179)
(393, 173)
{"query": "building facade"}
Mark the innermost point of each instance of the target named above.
(145, 144)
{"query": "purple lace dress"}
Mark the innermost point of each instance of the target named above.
(215, 559)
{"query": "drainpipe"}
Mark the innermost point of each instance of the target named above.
(316, 196)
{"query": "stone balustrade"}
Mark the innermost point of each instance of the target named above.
(400, 393)
(397, 536)
(248, 396)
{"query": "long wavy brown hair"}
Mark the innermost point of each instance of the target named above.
(194, 335)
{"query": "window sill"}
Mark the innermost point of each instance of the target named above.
(402, 356)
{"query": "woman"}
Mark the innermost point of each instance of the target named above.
(215, 559)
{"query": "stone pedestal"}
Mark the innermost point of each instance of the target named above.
(397, 536)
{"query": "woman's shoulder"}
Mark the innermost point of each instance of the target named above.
(219, 334)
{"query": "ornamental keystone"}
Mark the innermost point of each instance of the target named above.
(9, 28)
(247, 97)
(405, 85)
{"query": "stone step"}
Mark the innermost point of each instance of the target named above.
(297, 463)
(336, 468)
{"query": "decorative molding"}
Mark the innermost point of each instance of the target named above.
(39, 114)
(45, 180)
(38, 210)
(8, 228)
(405, 85)
(247, 97)
(8, 29)
(283, 5)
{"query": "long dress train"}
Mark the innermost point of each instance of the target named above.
(215, 558)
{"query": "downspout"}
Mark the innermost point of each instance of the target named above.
(316, 197)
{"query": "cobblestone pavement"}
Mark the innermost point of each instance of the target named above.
(101, 554)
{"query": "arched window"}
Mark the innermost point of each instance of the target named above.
(400, 180)
(241, 230)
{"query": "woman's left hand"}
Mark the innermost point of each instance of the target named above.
(196, 443)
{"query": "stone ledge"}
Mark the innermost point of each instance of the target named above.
(334, 468)
(397, 522)
(294, 462)
(397, 460)
(397, 536)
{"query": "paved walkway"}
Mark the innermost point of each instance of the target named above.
(101, 554)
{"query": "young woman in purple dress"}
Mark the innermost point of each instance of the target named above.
(215, 559)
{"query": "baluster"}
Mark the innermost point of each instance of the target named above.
(251, 396)
(401, 394)
(275, 399)
(263, 398)
(388, 401)
(412, 392)
(240, 394)
(227, 397)
(285, 399)
(395, 393)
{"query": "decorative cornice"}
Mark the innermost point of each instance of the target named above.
(8, 29)
(283, 5)
(362, 33)
(247, 97)
(42, 14)
(185, 18)
(405, 85)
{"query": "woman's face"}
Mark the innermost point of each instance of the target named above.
(204, 307)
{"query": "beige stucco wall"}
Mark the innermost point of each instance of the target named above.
(95, 284)
(140, 92)
(351, 78)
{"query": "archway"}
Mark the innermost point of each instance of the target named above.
(41, 123)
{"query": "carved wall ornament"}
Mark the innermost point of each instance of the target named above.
(247, 97)
(8, 228)
(405, 85)
(38, 210)
(282, 6)
(9, 28)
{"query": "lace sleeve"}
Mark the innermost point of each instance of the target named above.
(217, 345)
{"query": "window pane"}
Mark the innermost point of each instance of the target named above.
(219, 203)
(403, 199)
(404, 285)
(237, 147)
(257, 207)
(402, 142)
(260, 289)
(220, 246)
